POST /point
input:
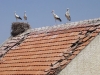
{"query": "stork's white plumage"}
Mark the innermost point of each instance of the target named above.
(67, 15)
(17, 16)
(56, 17)
(25, 17)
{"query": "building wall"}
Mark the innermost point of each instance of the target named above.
(87, 62)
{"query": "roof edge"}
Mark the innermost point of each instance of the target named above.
(67, 25)
(22, 34)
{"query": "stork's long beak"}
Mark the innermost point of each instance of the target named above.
(52, 11)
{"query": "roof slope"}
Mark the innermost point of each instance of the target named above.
(87, 62)
(48, 50)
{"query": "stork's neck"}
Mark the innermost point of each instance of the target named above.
(68, 11)
(53, 13)
(24, 13)
(15, 13)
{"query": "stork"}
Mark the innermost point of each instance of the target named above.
(17, 16)
(25, 17)
(67, 15)
(56, 17)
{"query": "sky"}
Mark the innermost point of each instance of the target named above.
(39, 12)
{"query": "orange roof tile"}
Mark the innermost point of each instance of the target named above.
(45, 52)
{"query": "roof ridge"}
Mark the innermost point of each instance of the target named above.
(56, 27)
(94, 21)
(5, 41)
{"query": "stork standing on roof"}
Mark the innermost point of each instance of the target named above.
(17, 16)
(25, 17)
(67, 15)
(56, 17)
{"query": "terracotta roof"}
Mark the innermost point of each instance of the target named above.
(46, 51)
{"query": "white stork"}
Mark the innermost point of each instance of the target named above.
(17, 16)
(25, 17)
(56, 17)
(67, 15)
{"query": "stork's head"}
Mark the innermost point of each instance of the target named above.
(15, 12)
(25, 11)
(52, 11)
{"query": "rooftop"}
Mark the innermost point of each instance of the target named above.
(46, 50)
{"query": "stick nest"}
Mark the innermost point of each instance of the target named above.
(18, 28)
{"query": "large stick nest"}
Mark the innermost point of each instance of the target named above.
(18, 28)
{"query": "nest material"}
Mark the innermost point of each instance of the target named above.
(18, 28)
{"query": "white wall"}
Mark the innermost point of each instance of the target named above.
(87, 62)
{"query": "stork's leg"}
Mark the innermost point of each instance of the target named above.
(16, 19)
(24, 20)
(67, 21)
(55, 22)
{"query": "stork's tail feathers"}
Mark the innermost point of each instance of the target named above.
(20, 18)
(69, 18)
(59, 19)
